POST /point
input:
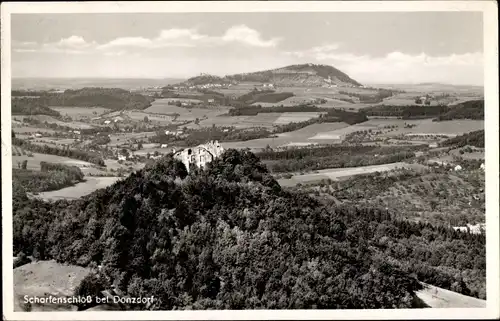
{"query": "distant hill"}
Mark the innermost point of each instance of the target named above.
(293, 75)
(76, 83)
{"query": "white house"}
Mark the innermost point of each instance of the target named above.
(107, 122)
(38, 135)
(167, 132)
(211, 101)
(76, 132)
(122, 157)
(458, 168)
(164, 146)
(482, 166)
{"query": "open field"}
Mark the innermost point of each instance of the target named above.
(52, 120)
(90, 185)
(123, 138)
(182, 100)
(80, 112)
(300, 137)
(339, 173)
(34, 162)
(22, 129)
(436, 297)
(267, 120)
(427, 126)
(161, 106)
(44, 278)
(140, 116)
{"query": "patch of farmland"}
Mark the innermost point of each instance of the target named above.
(435, 297)
(287, 118)
(121, 138)
(80, 112)
(161, 107)
(298, 137)
(29, 130)
(182, 100)
(90, 185)
(44, 278)
(478, 154)
(267, 120)
(52, 120)
(340, 173)
(34, 162)
(341, 132)
(139, 116)
(449, 127)
(112, 164)
(223, 121)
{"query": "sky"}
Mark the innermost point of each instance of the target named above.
(371, 47)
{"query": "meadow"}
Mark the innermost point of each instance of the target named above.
(300, 137)
(340, 173)
(52, 120)
(34, 162)
(161, 106)
(80, 112)
(90, 185)
(43, 278)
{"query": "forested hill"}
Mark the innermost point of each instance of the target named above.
(475, 138)
(229, 237)
(303, 74)
(31, 106)
(112, 98)
(293, 75)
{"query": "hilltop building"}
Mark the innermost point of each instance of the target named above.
(199, 155)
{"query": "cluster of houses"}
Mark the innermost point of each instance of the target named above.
(116, 120)
(174, 132)
(205, 86)
(469, 228)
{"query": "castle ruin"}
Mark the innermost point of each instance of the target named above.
(199, 155)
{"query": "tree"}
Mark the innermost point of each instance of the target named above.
(91, 286)
(146, 119)
(24, 164)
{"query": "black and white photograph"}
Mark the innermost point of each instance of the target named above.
(263, 156)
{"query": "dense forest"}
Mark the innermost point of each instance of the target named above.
(406, 112)
(31, 106)
(49, 177)
(475, 138)
(112, 98)
(264, 96)
(334, 156)
(228, 237)
(90, 157)
(370, 98)
(473, 109)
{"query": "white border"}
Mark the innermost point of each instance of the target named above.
(490, 19)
